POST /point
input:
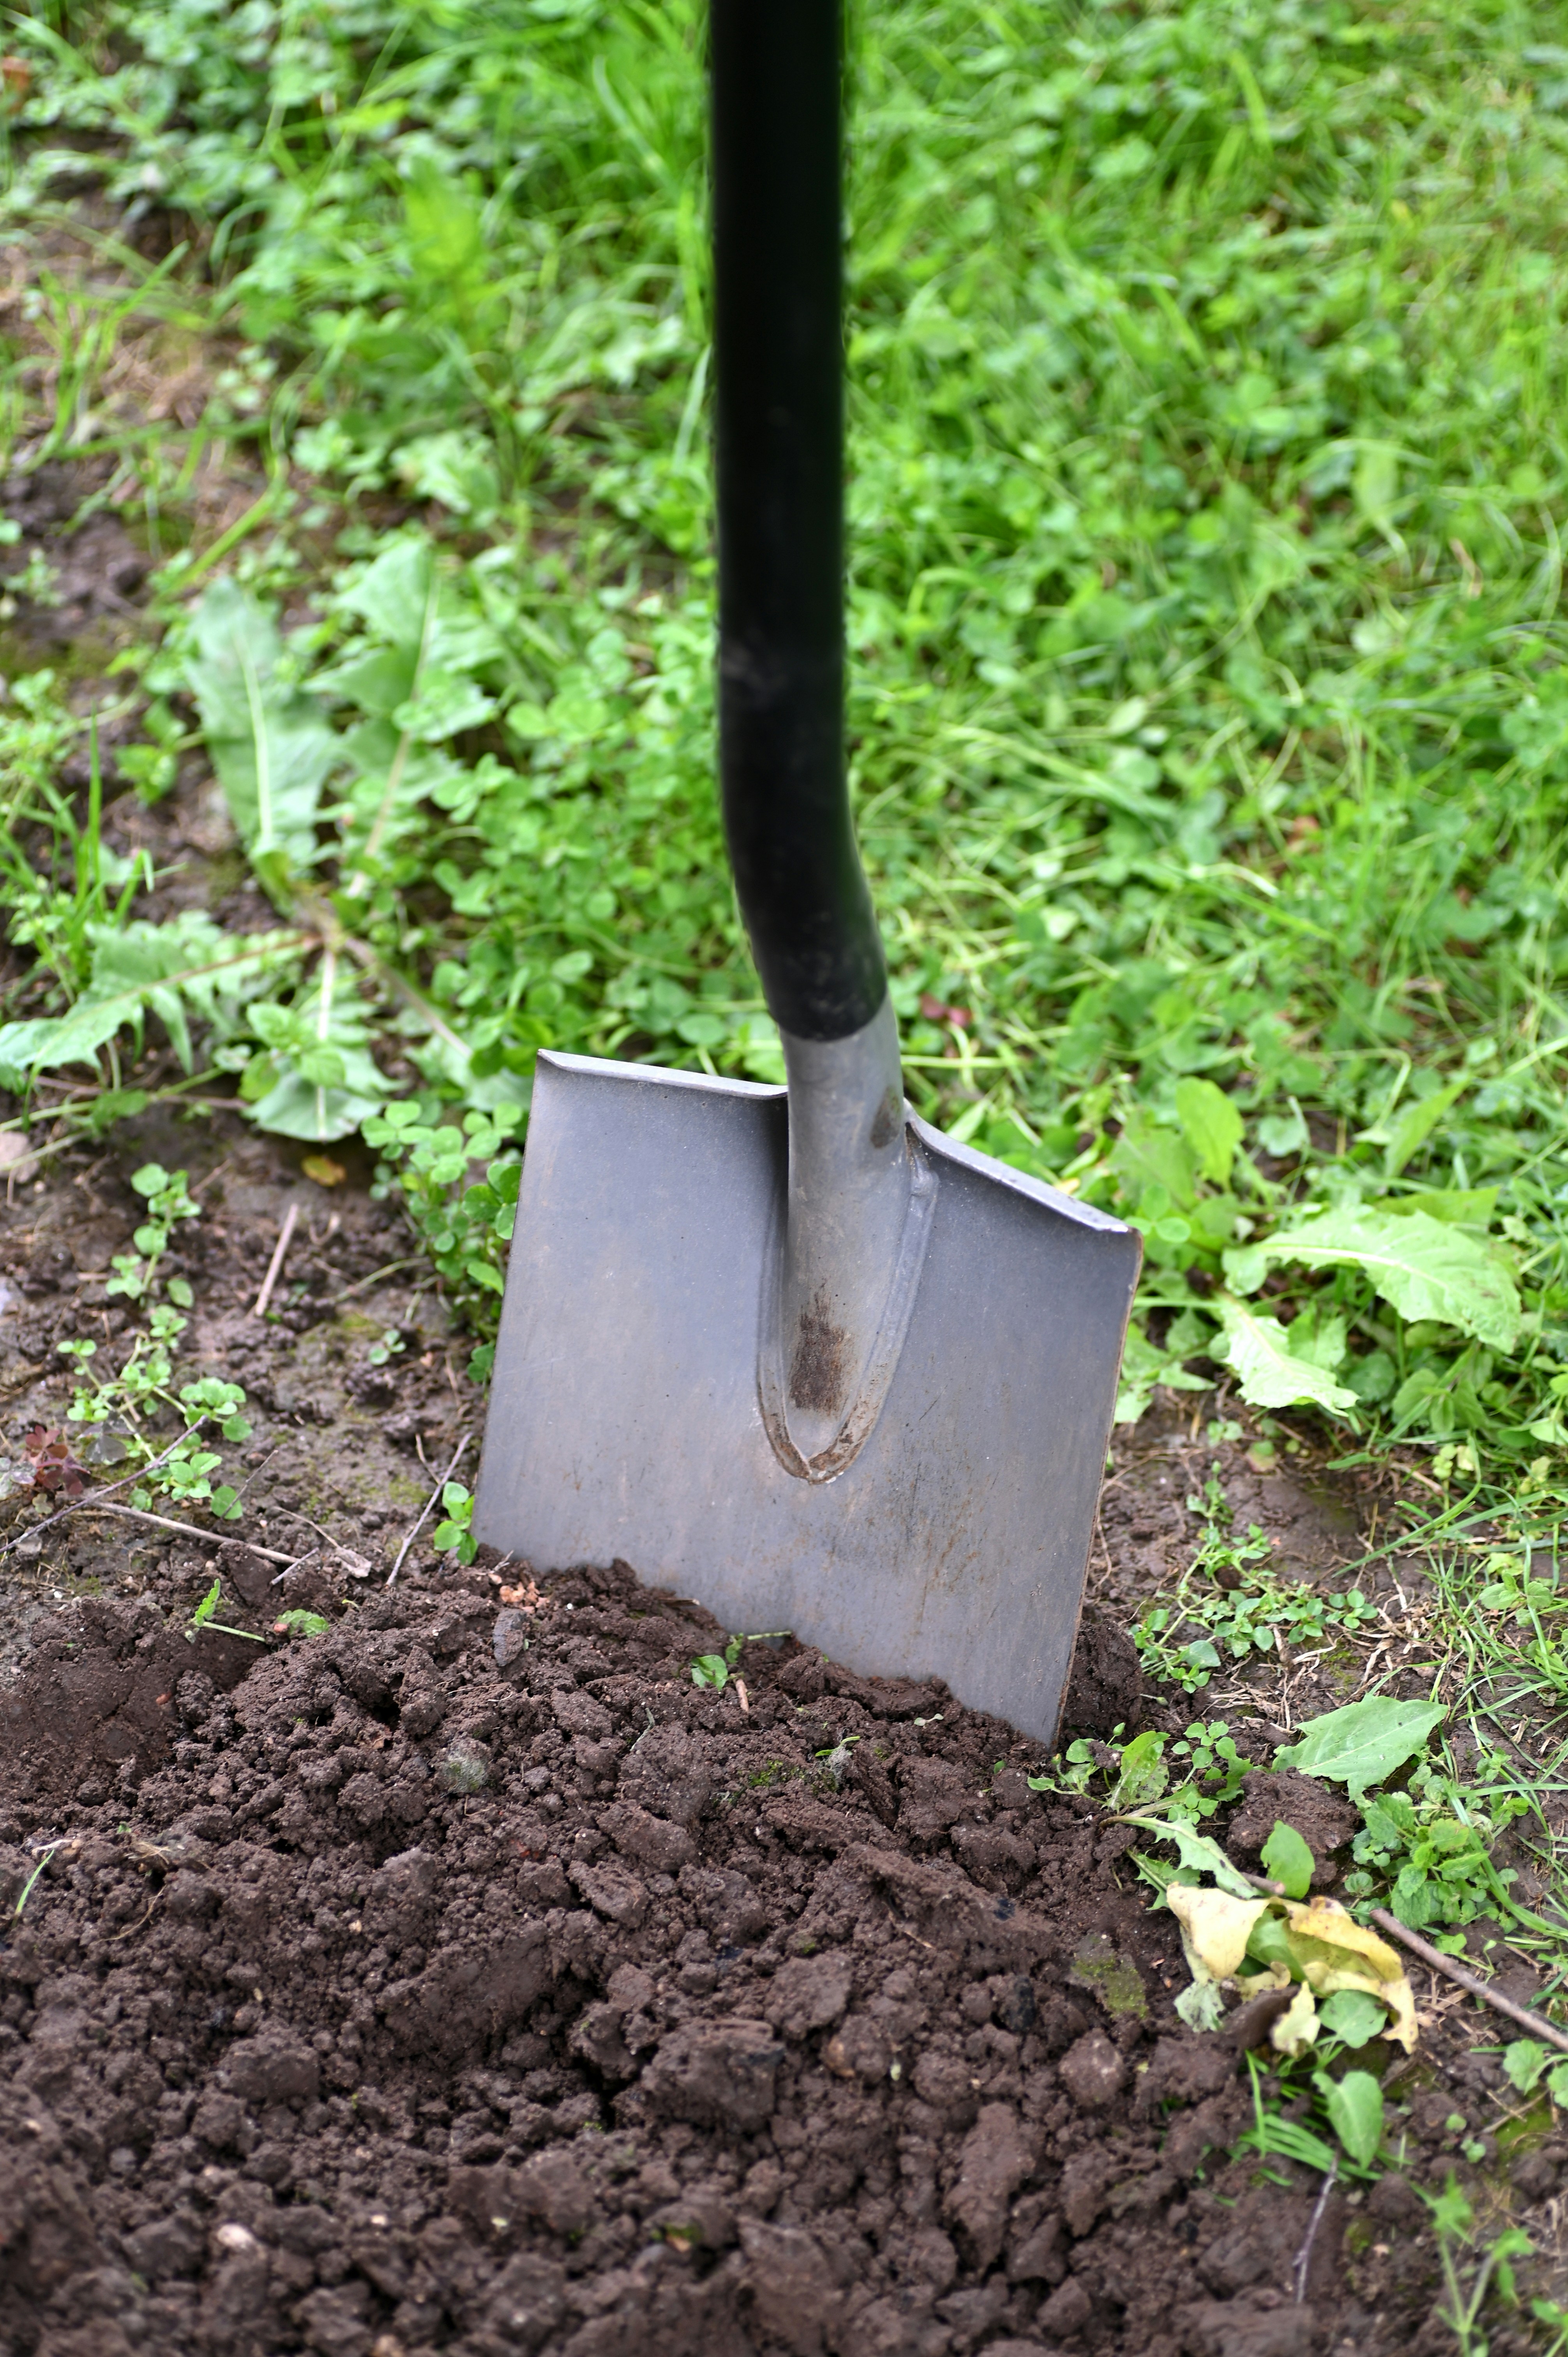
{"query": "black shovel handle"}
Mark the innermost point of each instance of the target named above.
(778, 353)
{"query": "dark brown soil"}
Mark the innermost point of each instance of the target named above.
(467, 1979)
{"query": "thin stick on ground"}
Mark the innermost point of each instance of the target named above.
(1536, 2023)
(275, 1267)
(425, 1514)
(1301, 2264)
(190, 1530)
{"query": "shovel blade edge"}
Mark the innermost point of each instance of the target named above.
(625, 1417)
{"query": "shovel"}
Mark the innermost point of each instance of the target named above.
(791, 1352)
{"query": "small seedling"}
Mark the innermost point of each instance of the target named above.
(454, 1535)
(715, 1670)
(142, 1390)
(202, 1618)
(55, 1469)
(1227, 1607)
(27, 1886)
(298, 1622)
(1453, 2222)
(835, 1759)
(169, 1199)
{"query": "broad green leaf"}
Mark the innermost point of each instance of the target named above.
(1320, 1335)
(1142, 1775)
(1362, 1743)
(376, 679)
(1198, 1852)
(326, 1082)
(445, 704)
(453, 468)
(1142, 1367)
(1287, 1859)
(1270, 1947)
(394, 594)
(270, 744)
(1211, 1125)
(43, 1042)
(1355, 2108)
(1525, 2061)
(1268, 1372)
(1416, 1124)
(1423, 1267)
(1353, 2016)
(187, 965)
(298, 1108)
(1149, 1156)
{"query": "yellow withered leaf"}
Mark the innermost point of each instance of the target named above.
(1271, 1976)
(1333, 1952)
(1297, 2027)
(1215, 1928)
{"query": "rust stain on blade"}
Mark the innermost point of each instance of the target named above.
(819, 1377)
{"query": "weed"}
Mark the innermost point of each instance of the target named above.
(1430, 1848)
(715, 1670)
(1204, 1626)
(168, 1200)
(117, 1411)
(298, 1622)
(452, 1535)
(835, 1759)
(1226, 1608)
(1350, 2106)
(1490, 2270)
(203, 1619)
(27, 1890)
(464, 1224)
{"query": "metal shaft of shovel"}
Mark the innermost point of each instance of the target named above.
(794, 1353)
(779, 382)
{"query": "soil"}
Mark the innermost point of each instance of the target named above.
(467, 1979)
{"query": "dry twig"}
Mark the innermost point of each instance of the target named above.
(1536, 2023)
(425, 1513)
(1301, 2264)
(186, 1530)
(275, 1267)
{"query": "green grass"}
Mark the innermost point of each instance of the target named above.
(1209, 703)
